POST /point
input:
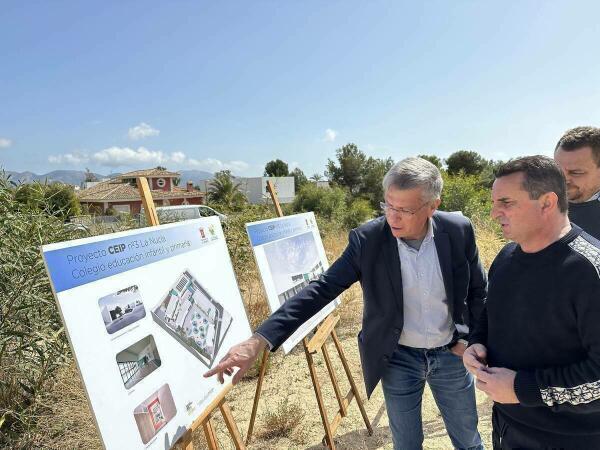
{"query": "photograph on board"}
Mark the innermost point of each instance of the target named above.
(121, 308)
(293, 262)
(138, 361)
(154, 413)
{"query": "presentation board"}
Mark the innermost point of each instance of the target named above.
(289, 254)
(147, 312)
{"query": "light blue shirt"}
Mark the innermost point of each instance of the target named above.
(427, 321)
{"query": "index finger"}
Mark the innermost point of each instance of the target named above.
(219, 368)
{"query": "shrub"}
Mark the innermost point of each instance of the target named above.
(358, 212)
(283, 420)
(329, 203)
(32, 338)
(54, 199)
(464, 193)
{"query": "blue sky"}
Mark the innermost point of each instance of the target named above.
(119, 85)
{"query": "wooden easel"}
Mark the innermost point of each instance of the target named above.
(318, 342)
(219, 402)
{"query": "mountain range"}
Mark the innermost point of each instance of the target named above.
(76, 177)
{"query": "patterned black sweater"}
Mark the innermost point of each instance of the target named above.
(542, 319)
(587, 216)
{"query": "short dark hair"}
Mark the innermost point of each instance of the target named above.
(579, 137)
(541, 175)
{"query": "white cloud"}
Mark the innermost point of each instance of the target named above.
(141, 131)
(215, 165)
(74, 159)
(5, 142)
(330, 135)
(125, 156)
(142, 158)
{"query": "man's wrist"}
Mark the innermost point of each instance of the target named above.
(263, 341)
(463, 342)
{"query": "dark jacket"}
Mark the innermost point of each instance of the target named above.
(372, 258)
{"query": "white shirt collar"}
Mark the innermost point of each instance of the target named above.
(596, 196)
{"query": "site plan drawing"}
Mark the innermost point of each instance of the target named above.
(194, 318)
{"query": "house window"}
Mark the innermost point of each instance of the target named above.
(160, 182)
(122, 209)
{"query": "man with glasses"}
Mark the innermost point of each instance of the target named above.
(423, 286)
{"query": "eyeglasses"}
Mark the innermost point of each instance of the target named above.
(406, 213)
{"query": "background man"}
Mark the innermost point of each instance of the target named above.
(423, 285)
(578, 154)
(536, 348)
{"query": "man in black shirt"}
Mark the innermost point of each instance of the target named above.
(578, 154)
(536, 348)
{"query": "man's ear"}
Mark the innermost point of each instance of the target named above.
(435, 205)
(549, 202)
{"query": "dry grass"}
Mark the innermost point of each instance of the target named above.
(489, 241)
(285, 419)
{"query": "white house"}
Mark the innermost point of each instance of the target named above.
(255, 188)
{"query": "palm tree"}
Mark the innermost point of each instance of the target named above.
(316, 177)
(225, 191)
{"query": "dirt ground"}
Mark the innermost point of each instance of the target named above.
(289, 377)
(69, 424)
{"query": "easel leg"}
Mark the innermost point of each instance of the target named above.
(187, 442)
(231, 426)
(336, 387)
(359, 401)
(209, 432)
(261, 376)
(317, 387)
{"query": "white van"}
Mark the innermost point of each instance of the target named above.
(168, 214)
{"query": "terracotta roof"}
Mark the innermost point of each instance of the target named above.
(149, 173)
(119, 191)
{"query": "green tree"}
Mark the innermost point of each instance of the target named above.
(330, 203)
(359, 211)
(371, 186)
(89, 175)
(466, 194)
(225, 191)
(61, 200)
(436, 161)
(276, 168)
(465, 161)
(488, 174)
(349, 170)
(56, 199)
(299, 178)
(316, 177)
(30, 194)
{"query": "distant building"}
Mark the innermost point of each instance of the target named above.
(322, 184)
(255, 189)
(122, 195)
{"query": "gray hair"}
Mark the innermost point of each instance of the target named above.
(413, 173)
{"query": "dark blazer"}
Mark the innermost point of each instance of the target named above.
(372, 258)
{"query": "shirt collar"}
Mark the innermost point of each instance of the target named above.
(596, 196)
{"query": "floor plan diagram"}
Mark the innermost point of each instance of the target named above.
(194, 318)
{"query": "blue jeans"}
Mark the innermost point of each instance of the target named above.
(452, 387)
